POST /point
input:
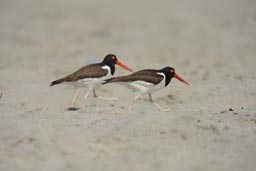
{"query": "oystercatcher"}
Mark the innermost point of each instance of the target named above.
(92, 76)
(147, 81)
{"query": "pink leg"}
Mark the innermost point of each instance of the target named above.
(136, 97)
(157, 105)
(87, 94)
(104, 98)
(133, 101)
(75, 97)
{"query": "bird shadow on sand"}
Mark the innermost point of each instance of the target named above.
(72, 109)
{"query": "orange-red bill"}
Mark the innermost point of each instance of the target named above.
(124, 66)
(180, 79)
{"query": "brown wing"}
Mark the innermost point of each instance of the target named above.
(89, 71)
(148, 75)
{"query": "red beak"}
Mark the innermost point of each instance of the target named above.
(180, 79)
(124, 66)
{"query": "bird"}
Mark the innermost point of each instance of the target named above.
(92, 76)
(148, 81)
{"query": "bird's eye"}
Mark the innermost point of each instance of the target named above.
(172, 71)
(113, 57)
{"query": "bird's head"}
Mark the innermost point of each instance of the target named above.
(111, 60)
(170, 72)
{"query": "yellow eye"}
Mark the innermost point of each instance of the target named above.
(113, 57)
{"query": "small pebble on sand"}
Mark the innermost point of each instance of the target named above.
(31, 139)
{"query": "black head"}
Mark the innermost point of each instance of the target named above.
(111, 60)
(169, 73)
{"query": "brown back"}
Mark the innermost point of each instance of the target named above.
(89, 71)
(148, 75)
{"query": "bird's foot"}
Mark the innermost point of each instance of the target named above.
(164, 109)
(107, 98)
(160, 107)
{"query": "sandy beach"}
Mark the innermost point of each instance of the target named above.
(212, 124)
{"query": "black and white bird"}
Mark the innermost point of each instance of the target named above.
(92, 76)
(148, 81)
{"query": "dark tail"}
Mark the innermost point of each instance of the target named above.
(107, 81)
(57, 81)
(111, 80)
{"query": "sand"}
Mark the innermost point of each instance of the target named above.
(212, 124)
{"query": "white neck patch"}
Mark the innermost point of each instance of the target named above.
(106, 67)
(159, 73)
